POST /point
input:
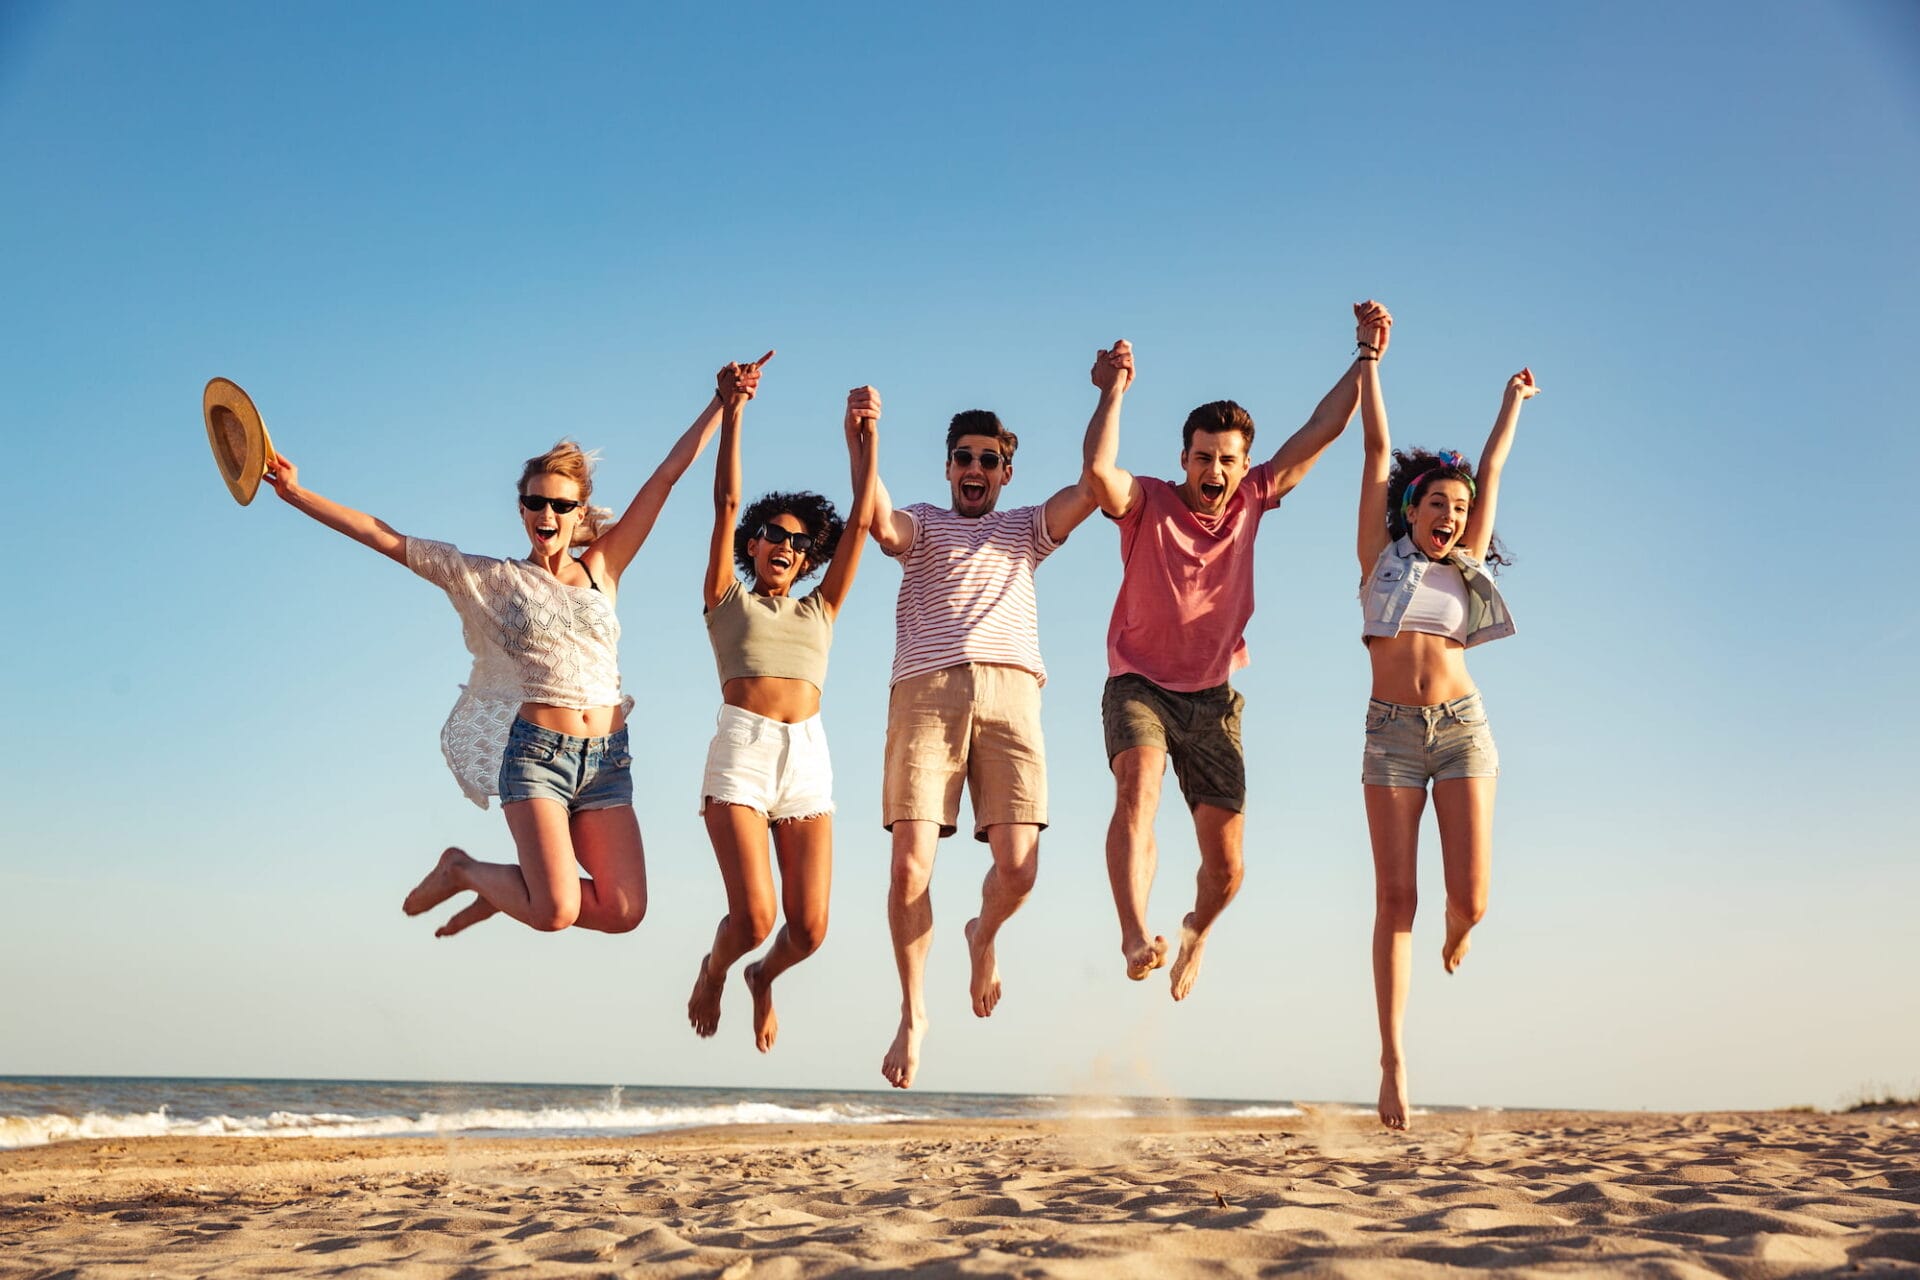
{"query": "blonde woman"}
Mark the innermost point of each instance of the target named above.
(542, 721)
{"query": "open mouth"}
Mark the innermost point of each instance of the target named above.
(547, 531)
(1212, 493)
(973, 490)
(780, 560)
(1441, 535)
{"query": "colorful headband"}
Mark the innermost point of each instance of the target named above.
(1449, 461)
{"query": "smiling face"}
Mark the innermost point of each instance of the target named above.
(1439, 519)
(549, 532)
(776, 565)
(976, 488)
(1215, 463)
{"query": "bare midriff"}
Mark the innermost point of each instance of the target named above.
(577, 722)
(775, 697)
(1418, 670)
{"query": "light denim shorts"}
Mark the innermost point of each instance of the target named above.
(1408, 746)
(580, 773)
(780, 770)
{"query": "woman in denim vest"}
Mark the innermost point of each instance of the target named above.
(1426, 536)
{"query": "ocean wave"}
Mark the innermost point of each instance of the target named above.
(33, 1131)
(1264, 1112)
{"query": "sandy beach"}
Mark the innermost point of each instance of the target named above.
(1758, 1195)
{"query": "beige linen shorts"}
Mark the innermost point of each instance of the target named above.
(978, 723)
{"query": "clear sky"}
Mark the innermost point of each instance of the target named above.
(430, 239)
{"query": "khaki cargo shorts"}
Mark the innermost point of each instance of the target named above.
(979, 724)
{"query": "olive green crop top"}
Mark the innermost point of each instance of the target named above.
(756, 635)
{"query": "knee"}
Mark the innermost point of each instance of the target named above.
(912, 873)
(1470, 911)
(754, 923)
(551, 917)
(627, 913)
(1020, 876)
(1228, 875)
(807, 933)
(1394, 904)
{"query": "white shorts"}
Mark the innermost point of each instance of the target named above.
(781, 770)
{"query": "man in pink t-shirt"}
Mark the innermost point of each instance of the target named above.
(1178, 632)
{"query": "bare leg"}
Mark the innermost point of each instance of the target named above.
(1016, 862)
(1393, 821)
(805, 849)
(739, 836)
(612, 895)
(1131, 855)
(543, 892)
(1464, 807)
(1222, 834)
(467, 917)
(910, 917)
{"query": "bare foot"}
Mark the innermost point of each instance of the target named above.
(441, 883)
(1144, 958)
(903, 1056)
(986, 974)
(467, 917)
(1393, 1095)
(1458, 943)
(703, 1006)
(766, 1026)
(1186, 966)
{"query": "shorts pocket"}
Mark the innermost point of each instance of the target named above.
(739, 732)
(1473, 715)
(620, 760)
(528, 749)
(1377, 718)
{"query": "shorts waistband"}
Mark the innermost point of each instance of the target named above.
(1457, 705)
(527, 731)
(730, 712)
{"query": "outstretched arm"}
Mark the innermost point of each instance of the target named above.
(358, 525)
(1303, 448)
(1493, 460)
(1377, 467)
(727, 485)
(1107, 485)
(616, 548)
(862, 425)
(892, 529)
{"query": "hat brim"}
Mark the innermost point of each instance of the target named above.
(241, 447)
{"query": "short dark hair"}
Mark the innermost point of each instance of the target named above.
(823, 525)
(1217, 416)
(981, 422)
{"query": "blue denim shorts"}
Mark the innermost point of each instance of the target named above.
(1407, 746)
(580, 773)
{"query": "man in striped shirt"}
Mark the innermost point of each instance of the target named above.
(965, 705)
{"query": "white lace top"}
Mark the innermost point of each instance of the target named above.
(533, 639)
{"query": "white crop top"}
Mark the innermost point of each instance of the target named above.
(533, 639)
(1439, 604)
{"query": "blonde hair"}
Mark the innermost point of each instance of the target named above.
(569, 461)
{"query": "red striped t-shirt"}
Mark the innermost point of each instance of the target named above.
(966, 590)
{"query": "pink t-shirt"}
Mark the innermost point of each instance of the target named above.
(1186, 588)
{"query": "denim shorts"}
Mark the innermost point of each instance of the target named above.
(780, 770)
(1199, 731)
(1407, 746)
(580, 773)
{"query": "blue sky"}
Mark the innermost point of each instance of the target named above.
(432, 240)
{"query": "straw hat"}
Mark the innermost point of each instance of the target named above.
(241, 447)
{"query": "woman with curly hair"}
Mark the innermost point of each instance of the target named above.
(1426, 541)
(767, 768)
(542, 721)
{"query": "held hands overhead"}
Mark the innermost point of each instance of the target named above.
(738, 383)
(863, 413)
(1372, 328)
(1113, 367)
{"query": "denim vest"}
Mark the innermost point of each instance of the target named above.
(1396, 575)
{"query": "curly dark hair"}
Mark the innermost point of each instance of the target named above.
(1413, 471)
(823, 525)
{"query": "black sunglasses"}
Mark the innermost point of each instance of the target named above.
(539, 502)
(779, 535)
(989, 461)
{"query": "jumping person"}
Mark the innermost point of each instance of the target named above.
(1426, 540)
(1177, 634)
(965, 705)
(541, 722)
(767, 767)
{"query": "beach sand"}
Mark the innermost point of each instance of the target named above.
(1761, 1195)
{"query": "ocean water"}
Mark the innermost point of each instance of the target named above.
(35, 1110)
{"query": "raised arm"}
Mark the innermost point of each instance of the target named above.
(358, 525)
(1110, 487)
(1493, 461)
(727, 485)
(1377, 466)
(862, 425)
(616, 547)
(893, 530)
(1296, 456)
